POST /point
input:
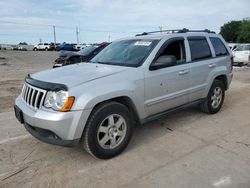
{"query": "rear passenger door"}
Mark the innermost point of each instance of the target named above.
(203, 63)
(201, 66)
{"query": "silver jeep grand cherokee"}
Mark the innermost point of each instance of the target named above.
(133, 80)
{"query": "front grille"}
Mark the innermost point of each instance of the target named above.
(33, 96)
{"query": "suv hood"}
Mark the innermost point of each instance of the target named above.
(77, 74)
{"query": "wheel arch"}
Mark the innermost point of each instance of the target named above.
(126, 101)
(221, 76)
(223, 79)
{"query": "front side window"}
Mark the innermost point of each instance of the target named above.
(219, 47)
(199, 49)
(177, 49)
(130, 53)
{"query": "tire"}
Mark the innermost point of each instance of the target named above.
(46, 49)
(240, 64)
(215, 98)
(108, 130)
(35, 49)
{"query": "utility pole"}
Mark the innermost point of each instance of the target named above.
(160, 27)
(54, 30)
(77, 35)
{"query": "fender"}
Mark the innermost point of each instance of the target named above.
(218, 71)
(133, 90)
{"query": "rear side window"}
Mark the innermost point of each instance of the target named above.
(240, 48)
(219, 47)
(199, 49)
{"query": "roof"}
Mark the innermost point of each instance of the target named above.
(163, 35)
(158, 35)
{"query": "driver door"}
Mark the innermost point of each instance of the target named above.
(168, 87)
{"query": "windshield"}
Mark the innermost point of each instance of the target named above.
(126, 52)
(87, 50)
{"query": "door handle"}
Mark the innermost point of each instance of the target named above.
(212, 65)
(183, 72)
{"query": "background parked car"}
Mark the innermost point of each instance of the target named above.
(84, 55)
(42, 46)
(14, 47)
(78, 47)
(65, 46)
(52, 46)
(242, 55)
(22, 46)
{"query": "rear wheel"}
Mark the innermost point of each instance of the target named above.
(215, 98)
(108, 130)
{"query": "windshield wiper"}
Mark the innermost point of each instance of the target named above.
(116, 64)
(106, 63)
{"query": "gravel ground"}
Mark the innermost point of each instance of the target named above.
(185, 149)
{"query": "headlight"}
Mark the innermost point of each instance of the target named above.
(59, 101)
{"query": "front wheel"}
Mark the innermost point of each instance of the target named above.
(108, 130)
(215, 98)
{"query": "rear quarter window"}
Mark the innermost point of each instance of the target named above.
(219, 47)
(199, 49)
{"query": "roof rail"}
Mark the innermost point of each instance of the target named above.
(184, 30)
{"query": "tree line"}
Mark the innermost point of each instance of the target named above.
(236, 31)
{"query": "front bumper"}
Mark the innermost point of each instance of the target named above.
(229, 78)
(60, 128)
(48, 136)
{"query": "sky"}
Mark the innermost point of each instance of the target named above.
(104, 20)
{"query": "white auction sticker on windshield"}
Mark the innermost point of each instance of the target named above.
(142, 43)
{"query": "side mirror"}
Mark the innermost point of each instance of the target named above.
(163, 61)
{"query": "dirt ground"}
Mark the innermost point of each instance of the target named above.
(186, 149)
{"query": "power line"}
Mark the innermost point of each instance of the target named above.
(14, 30)
(34, 24)
(68, 27)
(30, 36)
